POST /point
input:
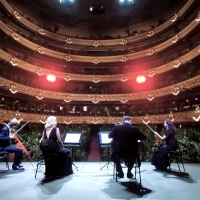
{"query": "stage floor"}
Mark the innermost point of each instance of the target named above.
(92, 182)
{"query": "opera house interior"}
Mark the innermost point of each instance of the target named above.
(92, 62)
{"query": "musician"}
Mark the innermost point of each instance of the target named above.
(5, 140)
(160, 158)
(53, 132)
(125, 145)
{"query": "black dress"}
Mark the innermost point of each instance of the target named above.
(65, 159)
(160, 157)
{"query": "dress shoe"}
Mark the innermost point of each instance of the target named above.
(120, 175)
(20, 166)
(129, 175)
(15, 167)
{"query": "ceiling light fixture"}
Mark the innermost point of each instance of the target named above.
(150, 52)
(124, 59)
(40, 50)
(177, 63)
(150, 97)
(123, 41)
(95, 120)
(43, 119)
(151, 73)
(67, 120)
(68, 58)
(150, 33)
(96, 43)
(174, 18)
(196, 115)
(124, 78)
(95, 60)
(95, 100)
(13, 89)
(67, 78)
(16, 14)
(68, 41)
(146, 119)
(15, 36)
(176, 90)
(198, 18)
(13, 61)
(39, 72)
(124, 99)
(67, 99)
(41, 31)
(175, 39)
(95, 79)
(39, 96)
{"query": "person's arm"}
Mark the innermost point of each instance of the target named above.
(4, 134)
(60, 143)
(112, 133)
(161, 137)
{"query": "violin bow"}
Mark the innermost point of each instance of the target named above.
(148, 126)
(109, 115)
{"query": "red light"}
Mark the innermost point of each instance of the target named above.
(51, 78)
(140, 79)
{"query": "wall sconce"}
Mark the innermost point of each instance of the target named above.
(123, 41)
(39, 72)
(67, 120)
(43, 119)
(39, 96)
(124, 78)
(198, 17)
(16, 14)
(124, 59)
(67, 78)
(177, 63)
(95, 100)
(68, 58)
(174, 18)
(146, 119)
(171, 116)
(67, 99)
(68, 41)
(196, 115)
(13, 62)
(124, 99)
(41, 31)
(40, 50)
(13, 89)
(95, 79)
(150, 97)
(150, 33)
(175, 39)
(17, 116)
(150, 52)
(15, 36)
(151, 73)
(96, 43)
(176, 90)
(95, 120)
(95, 60)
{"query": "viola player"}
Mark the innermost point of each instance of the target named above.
(5, 143)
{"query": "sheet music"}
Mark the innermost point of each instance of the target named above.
(72, 138)
(105, 139)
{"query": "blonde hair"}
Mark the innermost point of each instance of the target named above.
(51, 121)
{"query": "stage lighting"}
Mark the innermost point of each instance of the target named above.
(51, 78)
(141, 79)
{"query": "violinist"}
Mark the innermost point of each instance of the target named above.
(5, 140)
(160, 158)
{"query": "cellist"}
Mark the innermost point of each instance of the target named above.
(5, 139)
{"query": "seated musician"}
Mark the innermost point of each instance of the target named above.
(160, 158)
(53, 132)
(125, 145)
(5, 140)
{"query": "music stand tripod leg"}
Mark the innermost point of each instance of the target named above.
(72, 159)
(108, 155)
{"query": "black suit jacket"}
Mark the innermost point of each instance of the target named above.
(5, 136)
(125, 138)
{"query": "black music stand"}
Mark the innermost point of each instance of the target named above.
(105, 142)
(72, 140)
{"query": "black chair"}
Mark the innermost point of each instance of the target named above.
(4, 155)
(176, 155)
(52, 161)
(137, 164)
